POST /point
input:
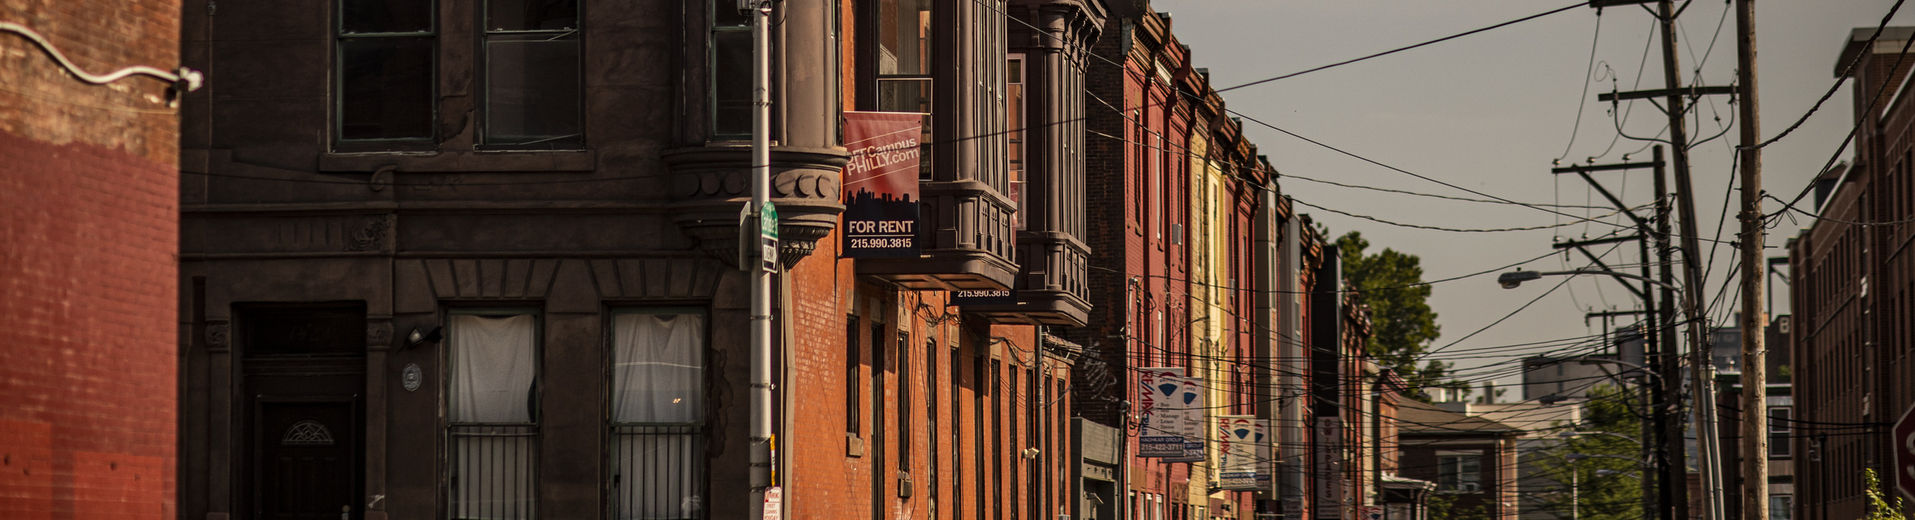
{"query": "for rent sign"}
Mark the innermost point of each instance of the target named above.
(881, 184)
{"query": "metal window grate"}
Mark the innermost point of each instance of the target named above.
(658, 472)
(494, 470)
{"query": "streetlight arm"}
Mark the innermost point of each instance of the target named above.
(1512, 279)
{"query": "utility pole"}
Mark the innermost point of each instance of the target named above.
(1755, 411)
(1709, 458)
(1702, 371)
(1658, 493)
(1669, 466)
(761, 441)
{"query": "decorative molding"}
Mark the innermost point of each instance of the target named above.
(307, 433)
(379, 334)
(219, 335)
(709, 186)
(371, 234)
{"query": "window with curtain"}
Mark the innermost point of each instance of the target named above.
(492, 415)
(658, 414)
(531, 62)
(385, 58)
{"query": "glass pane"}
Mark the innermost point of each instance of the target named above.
(530, 15)
(731, 82)
(373, 16)
(385, 88)
(303, 330)
(904, 36)
(532, 89)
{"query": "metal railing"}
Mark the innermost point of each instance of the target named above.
(493, 471)
(658, 472)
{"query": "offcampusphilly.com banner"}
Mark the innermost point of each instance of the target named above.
(881, 184)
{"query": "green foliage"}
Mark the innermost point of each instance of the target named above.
(1443, 506)
(1391, 284)
(1880, 505)
(1608, 478)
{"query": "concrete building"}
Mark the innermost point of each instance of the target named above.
(88, 232)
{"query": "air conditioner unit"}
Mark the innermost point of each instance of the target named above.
(1469, 487)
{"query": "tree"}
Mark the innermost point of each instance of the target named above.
(1880, 507)
(1391, 284)
(1607, 469)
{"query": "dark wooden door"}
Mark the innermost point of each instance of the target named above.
(307, 463)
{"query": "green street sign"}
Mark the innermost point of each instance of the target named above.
(768, 237)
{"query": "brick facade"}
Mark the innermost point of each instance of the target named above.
(89, 223)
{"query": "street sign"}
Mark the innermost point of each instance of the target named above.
(774, 503)
(768, 237)
(1905, 452)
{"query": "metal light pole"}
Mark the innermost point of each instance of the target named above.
(761, 381)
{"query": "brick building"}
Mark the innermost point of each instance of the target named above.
(469, 258)
(88, 233)
(1470, 458)
(1852, 290)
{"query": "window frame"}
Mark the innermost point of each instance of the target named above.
(337, 120)
(698, 429)
(446, 368)
(1779, 429)
(482, 72)
(712, 29)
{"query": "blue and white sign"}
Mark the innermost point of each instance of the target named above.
(1160, 425)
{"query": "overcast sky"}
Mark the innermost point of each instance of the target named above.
(1489, 112)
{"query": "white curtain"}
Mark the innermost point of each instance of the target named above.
(659, 370)
(493, 367)
(658, 382)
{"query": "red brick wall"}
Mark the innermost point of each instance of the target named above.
(88, 237)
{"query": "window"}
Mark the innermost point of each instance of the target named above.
(384, 52)
(1779, 432)
(730, 70)
(1781, 507)
(492, 415)
(852, 383)
(531, 64)
(903, 32)
(1016, 120)
(1459, 471)
(904, 401)
(528, 72)
(658, 413)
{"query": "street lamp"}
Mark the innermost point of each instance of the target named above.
(1512, 279)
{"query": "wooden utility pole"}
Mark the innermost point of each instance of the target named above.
(1755, 410)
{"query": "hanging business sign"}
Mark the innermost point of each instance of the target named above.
(881, 184)
(1160, 425)
(1266, 462)
(1237, 444)
(1194, 416)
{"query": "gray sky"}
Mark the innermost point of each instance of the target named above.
(1491, 111)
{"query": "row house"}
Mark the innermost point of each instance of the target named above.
(1214, 276)
(465, 259)
(1852, 288)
